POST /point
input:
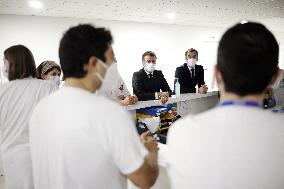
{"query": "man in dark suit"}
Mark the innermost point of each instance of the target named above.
(189, 74)
(148, 83)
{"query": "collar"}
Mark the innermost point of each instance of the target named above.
(248, 103)
(190, 67)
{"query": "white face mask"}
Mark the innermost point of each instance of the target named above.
(191, 62)
(149, 67)
(109, 80)
(5, 71)
(55, 80)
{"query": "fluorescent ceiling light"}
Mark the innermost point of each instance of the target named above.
(171, 15)
(244, 21)
(35, 4)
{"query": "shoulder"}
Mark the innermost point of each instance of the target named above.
(179, 132)
(45, 85)
(4, 85)
(199, 67)
(111, 111)
(180, 126)
(138, 73)
(35, 81)
(102, 101)
(274, 118)
(181, 67)
(158, 72)
(44, 105)
(30, 82)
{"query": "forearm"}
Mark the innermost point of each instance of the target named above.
(147, 174)
(152, 161)
(145, 96)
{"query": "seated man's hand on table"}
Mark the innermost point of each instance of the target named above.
(134, 99)
(163, 96)
(129, 100)
(203, 89)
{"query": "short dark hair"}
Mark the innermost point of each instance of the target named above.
(247, 58)
(148, 53)
(78, 45)
(21, 62)
(190, 50)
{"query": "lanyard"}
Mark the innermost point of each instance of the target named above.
(240, 103)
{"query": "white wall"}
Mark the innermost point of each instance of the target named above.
(42, 35)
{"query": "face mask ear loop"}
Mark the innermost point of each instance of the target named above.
(99, 76)
(103, 65)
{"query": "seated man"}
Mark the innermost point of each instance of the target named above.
(148, 83)
(238, 144)
(189, 74)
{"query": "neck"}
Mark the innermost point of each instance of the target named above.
(225, 96)
(82, 83)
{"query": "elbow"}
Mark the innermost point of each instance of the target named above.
(150, 180)
(153, 179)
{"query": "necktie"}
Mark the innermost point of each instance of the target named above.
(192, 73)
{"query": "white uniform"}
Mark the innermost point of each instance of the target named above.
(119, 91)
(17, 101)
(228, 147)
(90, 143)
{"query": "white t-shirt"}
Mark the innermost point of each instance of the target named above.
(17, 101)
(81, 140)
(230, 147)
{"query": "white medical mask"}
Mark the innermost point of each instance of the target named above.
(5, 71)
(149, 67)
(55, 80)
(191, 62)
(109, 80)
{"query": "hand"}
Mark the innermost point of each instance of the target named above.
(135, 99)
(129, 100)
(164, 99)
(149, 142)
(163, 94)
(203, 89)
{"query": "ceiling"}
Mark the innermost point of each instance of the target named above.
(216, 13)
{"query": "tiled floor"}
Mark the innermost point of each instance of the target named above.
(2, 182)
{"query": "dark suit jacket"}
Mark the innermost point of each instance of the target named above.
(144, 87)
(188, 83)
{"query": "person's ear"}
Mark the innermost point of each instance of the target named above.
(218, 76)
(91, 65)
